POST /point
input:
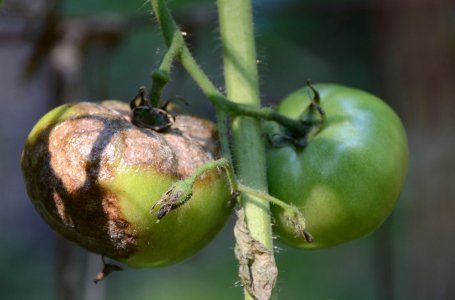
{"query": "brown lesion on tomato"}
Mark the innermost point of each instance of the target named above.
(71, 156)
(190, 142)
(63, 169)
(199, 130)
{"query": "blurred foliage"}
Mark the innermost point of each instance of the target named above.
(74, 7)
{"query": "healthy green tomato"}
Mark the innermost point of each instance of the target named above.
(349, 176)
(94, 177)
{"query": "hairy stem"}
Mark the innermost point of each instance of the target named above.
(241, 77)
(236, 26)
(173, 36)
(223, 133)
(160, 77)
(242, 85)
(264, 196)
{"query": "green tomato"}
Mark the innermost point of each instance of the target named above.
(94, 177)
(346, 180)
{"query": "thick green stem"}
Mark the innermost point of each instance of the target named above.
(223, 132)
(241, 76)
(236, 26)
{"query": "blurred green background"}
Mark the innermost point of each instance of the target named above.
(401, 50)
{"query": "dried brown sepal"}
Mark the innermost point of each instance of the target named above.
(314, 114)
(296, 220)
(107, 269)
(257, 268)
(177, 195)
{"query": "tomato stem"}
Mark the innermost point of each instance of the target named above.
(242, 86)
(181, 191)
(173, 38)
(236, 27)
(160, 77)
(293, 213)
(223, 132)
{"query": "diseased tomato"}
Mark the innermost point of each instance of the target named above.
(348, 177)
(94, 176)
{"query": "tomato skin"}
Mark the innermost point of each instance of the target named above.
(349, 176)
(94, 176)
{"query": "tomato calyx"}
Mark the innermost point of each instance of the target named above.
(313, 118)
(279, 140)
(145, 115)
(313, 115)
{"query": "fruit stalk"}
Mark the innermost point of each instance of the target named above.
(161, 76)
(174, 39)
